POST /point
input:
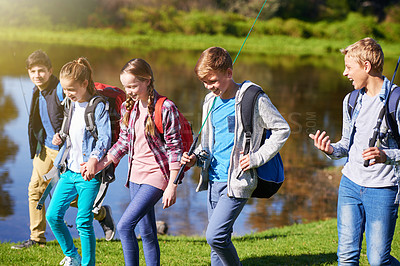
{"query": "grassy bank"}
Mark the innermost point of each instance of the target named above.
(260, 44)
(303, 244)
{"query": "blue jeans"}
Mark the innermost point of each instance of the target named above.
(140, 211)
(366, 209)
(222, 214)
(70, 185)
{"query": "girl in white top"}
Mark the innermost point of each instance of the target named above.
(76, 80)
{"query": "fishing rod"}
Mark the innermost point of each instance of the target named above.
(382, 113)
(20, 86)
(22, 91)
(23, 95)
(192, 147)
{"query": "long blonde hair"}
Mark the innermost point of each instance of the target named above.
(79, 70)
(142, 71)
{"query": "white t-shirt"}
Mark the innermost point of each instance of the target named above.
(378, 175)
(76, 133)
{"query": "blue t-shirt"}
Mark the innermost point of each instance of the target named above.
(223, 123)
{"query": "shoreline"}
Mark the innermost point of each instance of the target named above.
(259, 44)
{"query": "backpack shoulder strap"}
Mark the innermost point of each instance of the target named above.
(247, 106)
(352, 101)
(64, 131)
(393, 100)
(158, 114)
(89, 115)
(391, 119)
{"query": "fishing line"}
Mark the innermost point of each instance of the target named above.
(251, 29)
(23, 95)
(190, 152)
(22, 90)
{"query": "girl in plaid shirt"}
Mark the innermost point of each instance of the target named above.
(154, 160)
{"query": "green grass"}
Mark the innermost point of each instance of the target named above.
(303, 244)
(259, 44)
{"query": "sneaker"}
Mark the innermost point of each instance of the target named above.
(108, 224)
(27, 244)
(71, 261)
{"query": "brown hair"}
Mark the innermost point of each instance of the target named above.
(38, 57)
(213, 59)
(79, 70)
(366, 49)
(142, 71)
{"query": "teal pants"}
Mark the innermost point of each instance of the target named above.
(70, 185)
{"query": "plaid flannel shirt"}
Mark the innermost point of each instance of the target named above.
(167, 148)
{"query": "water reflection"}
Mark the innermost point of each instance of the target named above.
(308, 91)
(8, 150)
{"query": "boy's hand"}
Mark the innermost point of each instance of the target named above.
(375, 155)
(322, 142)
(56, 139)
(188, 160)
(244, 162)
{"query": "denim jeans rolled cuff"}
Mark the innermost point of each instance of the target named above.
(366, 209)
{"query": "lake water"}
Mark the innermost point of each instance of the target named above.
(308, 91)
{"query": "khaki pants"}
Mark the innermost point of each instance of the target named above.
(42, 164)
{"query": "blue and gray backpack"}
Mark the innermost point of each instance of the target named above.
(391, 108)
(271, 174)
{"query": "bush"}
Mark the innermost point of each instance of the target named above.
(390, 31)
(236, 25)
(169, 19)
(296, 28)
(271, 27)
(355, 26)
(14, 15)
(198, 22)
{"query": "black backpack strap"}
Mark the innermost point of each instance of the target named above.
(247, 110)
(391, 110)
(352, 101)
(89, 115)
(64, 131)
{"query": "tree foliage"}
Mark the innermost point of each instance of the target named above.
(106, 13)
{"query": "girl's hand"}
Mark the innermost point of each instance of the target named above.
(56, 139)
(244, 162)
(169, 197)
(375, 154)
(322, 142)
(90, 169)
(188, 160)
(83, 169)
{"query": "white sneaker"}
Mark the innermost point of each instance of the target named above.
(71, 261)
